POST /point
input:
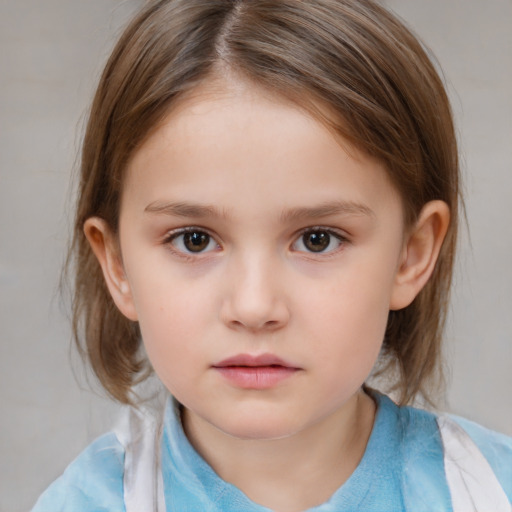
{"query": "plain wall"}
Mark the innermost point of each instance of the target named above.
(51, 56)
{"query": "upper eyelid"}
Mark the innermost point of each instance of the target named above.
(173, 233)
(333, 231)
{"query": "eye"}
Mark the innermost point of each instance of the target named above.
(318, 240)
(192, 241)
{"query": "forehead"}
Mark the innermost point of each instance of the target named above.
(236, 99)
(232, 141)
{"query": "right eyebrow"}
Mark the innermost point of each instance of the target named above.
(180, 209)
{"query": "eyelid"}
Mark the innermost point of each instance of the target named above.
(338, 233)
(173, 233)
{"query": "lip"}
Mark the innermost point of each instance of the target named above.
(263, 371)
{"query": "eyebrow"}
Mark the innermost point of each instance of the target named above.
(193, 210)
(327, 209)
(184, 210)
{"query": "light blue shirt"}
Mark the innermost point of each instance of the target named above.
(402, 469)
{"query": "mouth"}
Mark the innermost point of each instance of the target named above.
(255, 372)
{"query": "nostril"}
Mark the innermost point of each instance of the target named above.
(265, 326)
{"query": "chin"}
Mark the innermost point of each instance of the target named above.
(258, 428)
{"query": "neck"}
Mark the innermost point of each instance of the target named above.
(293, 473)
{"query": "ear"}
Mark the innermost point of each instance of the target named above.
(105, 246)
(421, 250)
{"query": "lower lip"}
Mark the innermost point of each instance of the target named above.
(256, 377)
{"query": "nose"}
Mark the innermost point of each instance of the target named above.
(255, 296)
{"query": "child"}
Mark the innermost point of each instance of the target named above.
(268, 202)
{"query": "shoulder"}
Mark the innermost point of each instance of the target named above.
(416, 428)
(92, 482)
(425, 455)
(425, 445)
(423, 473)
(496, 448)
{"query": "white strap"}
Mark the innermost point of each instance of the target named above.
(140, 434)
(472, 482)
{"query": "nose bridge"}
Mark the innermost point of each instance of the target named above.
(256, 297)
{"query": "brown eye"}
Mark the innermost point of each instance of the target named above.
(196, 241)
(316, 241)
(192, 241)
(319, 240)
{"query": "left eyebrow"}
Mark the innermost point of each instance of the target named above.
(327, 209)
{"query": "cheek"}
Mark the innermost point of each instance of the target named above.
(352, 346)
(355, 301)
(171, 315)
(353, 335)
(348, 316)
(169, 318)
(162, 293)
(170, 331)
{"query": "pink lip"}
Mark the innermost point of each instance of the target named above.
(255, 372)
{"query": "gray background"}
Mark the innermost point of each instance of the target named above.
(51, 53)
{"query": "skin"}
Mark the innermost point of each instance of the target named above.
(257, 175)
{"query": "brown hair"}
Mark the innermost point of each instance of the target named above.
(352, 57)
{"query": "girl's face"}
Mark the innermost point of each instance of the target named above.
(260, 259)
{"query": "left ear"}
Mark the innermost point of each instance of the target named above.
(420, 253)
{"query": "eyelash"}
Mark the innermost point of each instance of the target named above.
(191, 255)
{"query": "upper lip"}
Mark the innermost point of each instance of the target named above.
(254, 361)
